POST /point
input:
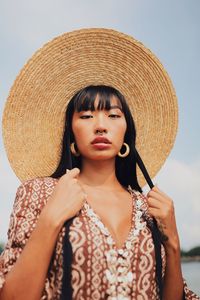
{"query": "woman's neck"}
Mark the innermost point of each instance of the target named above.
(99, 174)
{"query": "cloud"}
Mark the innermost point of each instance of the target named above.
(181, 182)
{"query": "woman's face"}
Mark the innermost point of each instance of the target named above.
(109, 124)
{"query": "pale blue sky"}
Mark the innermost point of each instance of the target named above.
(169, 28)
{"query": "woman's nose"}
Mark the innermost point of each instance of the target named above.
(100, 125)
(99, 131)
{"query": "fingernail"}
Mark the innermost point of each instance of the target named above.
(67, 170)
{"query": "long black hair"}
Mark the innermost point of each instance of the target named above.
(125, 168)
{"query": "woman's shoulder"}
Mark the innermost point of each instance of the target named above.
(38, 183)
(40, 180)
(141, 199)
(137, 194)
(35, 190)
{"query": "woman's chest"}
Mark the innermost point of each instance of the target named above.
(116, 215)
(101, 268)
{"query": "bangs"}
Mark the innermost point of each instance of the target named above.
(85, 99)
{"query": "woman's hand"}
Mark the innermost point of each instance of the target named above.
(161, 207)
(66, 200)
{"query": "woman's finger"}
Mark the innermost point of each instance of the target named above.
(73, 172)
(156, 189)
(153, 202)
(158, 196)
(154, 212)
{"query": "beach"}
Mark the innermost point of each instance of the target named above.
(191, 273)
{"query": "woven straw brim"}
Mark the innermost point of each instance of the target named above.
(33, 119)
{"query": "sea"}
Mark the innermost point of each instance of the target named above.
(191, 273)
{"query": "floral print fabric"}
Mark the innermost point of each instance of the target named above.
(89, 246)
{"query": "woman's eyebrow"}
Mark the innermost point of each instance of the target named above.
(115, 106)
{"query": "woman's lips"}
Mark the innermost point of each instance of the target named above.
(101, 143)
(101, 139)
(101, 146)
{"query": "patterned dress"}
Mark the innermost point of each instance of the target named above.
(99, 269)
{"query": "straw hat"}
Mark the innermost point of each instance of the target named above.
(33, 119)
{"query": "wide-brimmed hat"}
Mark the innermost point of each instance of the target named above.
(33, 119)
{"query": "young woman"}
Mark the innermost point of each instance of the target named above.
(87, 231)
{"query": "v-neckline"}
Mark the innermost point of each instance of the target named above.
(107, 230)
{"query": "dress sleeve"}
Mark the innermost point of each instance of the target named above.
(188, 294)
(31, 196)
(17, 234)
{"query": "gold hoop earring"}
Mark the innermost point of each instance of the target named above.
(73, 150)
(126, 153)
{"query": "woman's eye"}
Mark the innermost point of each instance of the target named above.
(86, 116)
(114, 116)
